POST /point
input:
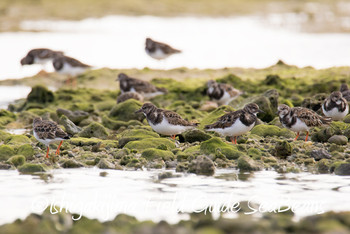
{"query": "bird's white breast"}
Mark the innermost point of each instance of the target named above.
(165, 128)
(299, 126)
(68, 69)
(236, 129)
(335, 114)
(157, 54)
(46, 141)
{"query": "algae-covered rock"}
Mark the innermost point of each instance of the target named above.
(4, 135)
(75, 116)
(216, 146)
(271, 130)
(149, 143)
(283, 149)
(267, 102)
(323, 166)
(117, 124)
(125, 111)
(315, 102)
(69, 126)
(323, 134)
(17, 140)
(202, 165)
(342, 169)
(6, 117)
(319, 154)
(71, 163)
(29, 168)
(195, 135)
(40, 94)
(94, 130)
(135, 135)
(6, 152)
(245, 163)
(254, 153)
(338, 140)
(105, 164)
(152, 154)
(17, 160)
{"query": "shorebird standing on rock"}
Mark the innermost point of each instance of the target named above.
(158, 50)
(223, 94)
(236, 123)
(146, 89)
(300, 119)
(165, 122)
(335, 106)
(48, 132)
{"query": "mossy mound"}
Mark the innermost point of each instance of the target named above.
(283, 149)
(69, 126)
(195, 135)
(342, 169)
(153, 154)
(4, 135)
(216, 146)
(271, 130)
(94, 130)
(202, 165)
(71, 163)
(26, 150)
(17, 140)
(6, 117)
(6, 152)
(105, 164)
(30, 168)
(116, 124)
(17, 160)
(40, 94)
(125, 111)
(149, 143)
(245, 163)
(135, 135)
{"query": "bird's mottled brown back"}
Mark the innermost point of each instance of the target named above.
(309, 117)
(49, 130)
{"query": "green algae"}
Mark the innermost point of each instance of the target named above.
(216, 146)
(153, 154)
(149, 143)
(29, 168)
(17, 140)
(6, 152)
(117, 124)
(94, 130)
(125, 111)
(17, 160)
(270, 130)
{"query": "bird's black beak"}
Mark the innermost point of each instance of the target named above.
(260, 111)
(277, 112)
(138, 111)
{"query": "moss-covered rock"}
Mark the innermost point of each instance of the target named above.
(40, 94)
(125, 111)
(6, 152)
(342, 169)
(323, 166)
(17, 140)
(319, 154)
(202, 165)
(135, 135)
(94, 130)
(254, 153)
(6, 117)
(69, 126)
(245, 163)
(270, 130)
(323, 134)
(75, 116)
(17, 160)
(216, 146)
(283, 149)
(195, 135)
(105, 164)
(30, 168)
(315, 102)
(117, 124)
(152, 154)
(149, 143)
(71, 163)
(338, 140)
(26, 150)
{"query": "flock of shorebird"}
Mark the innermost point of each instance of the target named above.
(169, 123)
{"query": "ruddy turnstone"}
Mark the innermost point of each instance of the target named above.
(335, 106)
(344, 89)
(129, 95)
(158, 50)
(236, 123)
(165, 122)
(300, 119)
(69, 66)
(48, 132)
(146, 89)
(223, 94)
(40, 56)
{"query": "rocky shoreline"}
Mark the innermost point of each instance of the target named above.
(112, 136)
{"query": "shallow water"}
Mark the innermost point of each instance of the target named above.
(9, 94)
(141, 194)
(118, 42)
